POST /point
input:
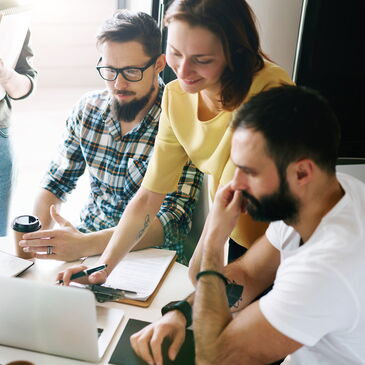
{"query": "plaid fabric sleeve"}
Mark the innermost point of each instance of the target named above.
(177, 209)
(69, 165)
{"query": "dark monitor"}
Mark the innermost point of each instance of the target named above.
(329, 59)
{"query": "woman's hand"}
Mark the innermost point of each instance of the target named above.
(98, 277)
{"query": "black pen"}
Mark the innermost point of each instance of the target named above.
(86, 272)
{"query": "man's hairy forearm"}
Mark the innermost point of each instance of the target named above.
(211, 316)
(211, 311)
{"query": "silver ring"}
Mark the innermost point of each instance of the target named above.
(49, 250)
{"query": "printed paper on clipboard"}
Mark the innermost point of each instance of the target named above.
(140, 271)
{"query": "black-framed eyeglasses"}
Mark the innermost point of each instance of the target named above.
(130, 73)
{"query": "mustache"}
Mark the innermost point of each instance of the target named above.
(124, 92)
(249, 197)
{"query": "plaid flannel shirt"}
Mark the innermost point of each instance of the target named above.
(116, 166)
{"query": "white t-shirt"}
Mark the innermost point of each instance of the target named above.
(318, 298)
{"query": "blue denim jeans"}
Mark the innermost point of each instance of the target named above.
(6, 171)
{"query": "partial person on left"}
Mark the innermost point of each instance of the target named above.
(18, 83)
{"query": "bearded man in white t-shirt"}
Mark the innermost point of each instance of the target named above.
(284, 146)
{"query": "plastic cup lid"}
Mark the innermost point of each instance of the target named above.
(26, 223)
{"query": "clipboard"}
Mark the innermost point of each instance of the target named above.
(140, 275)
(147, 303)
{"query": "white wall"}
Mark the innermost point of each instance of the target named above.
(355, 170)
(140, 5)
(278, 23)
(63, 39)
(63, 36)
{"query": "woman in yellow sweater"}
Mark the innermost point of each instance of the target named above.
(213, 47)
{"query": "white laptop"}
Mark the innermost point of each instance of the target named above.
(11, 265)
(58, 320)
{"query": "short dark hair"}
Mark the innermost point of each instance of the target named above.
(296, 122)
(233, 22)
(126, 26)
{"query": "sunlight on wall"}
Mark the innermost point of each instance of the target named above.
(140, 5)
(63, 40)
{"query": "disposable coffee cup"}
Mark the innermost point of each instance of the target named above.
(24, 224)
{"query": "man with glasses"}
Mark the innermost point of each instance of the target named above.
(111, 133)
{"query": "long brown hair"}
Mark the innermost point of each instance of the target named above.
(233, 22)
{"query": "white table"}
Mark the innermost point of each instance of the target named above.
(46, 271)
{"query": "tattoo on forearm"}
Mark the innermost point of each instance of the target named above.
(145, 226)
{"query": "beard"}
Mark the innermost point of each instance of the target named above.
(280, 205)
(127, 112)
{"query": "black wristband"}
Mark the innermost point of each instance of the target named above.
(181, 305)
(212, 272)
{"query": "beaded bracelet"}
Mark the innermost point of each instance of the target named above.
(212, 272)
